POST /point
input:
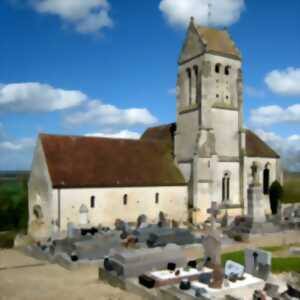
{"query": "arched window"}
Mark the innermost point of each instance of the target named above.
(226, 187)
(227, 70)
(92, 201)
(156, 198)
(189, 78)
(217, 68)
(125, 199)
(266, 179)
(195, 68)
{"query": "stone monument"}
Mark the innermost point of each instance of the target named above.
(256, 207)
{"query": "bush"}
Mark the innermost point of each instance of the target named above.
(13, 205)
(276, 193)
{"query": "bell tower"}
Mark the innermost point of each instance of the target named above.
(208, 139)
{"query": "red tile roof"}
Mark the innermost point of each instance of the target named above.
(255, 147)
(75, 161)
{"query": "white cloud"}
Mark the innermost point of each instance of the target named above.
(223, 13)
(272, 114)
(17, 145)
(254, 92)
(85, 15)
(288, 148)
(172, 92)
(123, 134)
(15, 154)
(107, 115)
(37, 97)
(284, 82)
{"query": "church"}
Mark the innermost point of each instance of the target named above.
(177, 168)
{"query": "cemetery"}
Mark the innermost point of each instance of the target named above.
(239, 258)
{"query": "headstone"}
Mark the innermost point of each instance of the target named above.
(162, 219)
(71, 230)
(141, 221)
(256, 204)
(258, 263)
(288, 213)
(233, 268)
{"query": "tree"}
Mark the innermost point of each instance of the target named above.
(275, 194)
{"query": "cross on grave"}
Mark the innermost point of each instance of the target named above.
(255, 174)
(213, 211)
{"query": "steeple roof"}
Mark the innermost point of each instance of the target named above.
(218, 41)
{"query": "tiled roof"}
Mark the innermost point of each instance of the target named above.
(218, 41)
(255, 147)
(75, 161)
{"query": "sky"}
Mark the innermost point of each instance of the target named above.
(109, 68)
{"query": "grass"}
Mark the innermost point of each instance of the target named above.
(279, 264)
(291, 188)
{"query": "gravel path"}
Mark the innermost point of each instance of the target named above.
(25, 278)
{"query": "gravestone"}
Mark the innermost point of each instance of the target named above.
(141, 221)
(72, 231)
(258, 263)
(234, 269)
(162, 220)
(256, 203)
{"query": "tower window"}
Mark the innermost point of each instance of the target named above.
(92, 201)
(227, 70)
(196, 82)
(226, 187)
(217, 68)
(189, 78)
(217, 95)
(156, 198)
(125, 199)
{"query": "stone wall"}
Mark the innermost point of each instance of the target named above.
(109, 204)
(39, 194)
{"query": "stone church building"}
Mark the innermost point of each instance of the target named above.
(177, 168)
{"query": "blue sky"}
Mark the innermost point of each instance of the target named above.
(109, 67)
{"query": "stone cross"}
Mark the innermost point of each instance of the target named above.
(213, 211)
(255, 174)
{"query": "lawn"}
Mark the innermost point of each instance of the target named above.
(279, 264)
(291, 188)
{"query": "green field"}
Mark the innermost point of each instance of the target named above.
(291, 188)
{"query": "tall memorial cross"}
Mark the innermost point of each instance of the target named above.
(213, 211)
(255, 174)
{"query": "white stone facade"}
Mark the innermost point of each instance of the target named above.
(210, 142)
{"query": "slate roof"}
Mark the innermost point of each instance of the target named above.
(218, 41)
(255, 147)
(76, 161)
